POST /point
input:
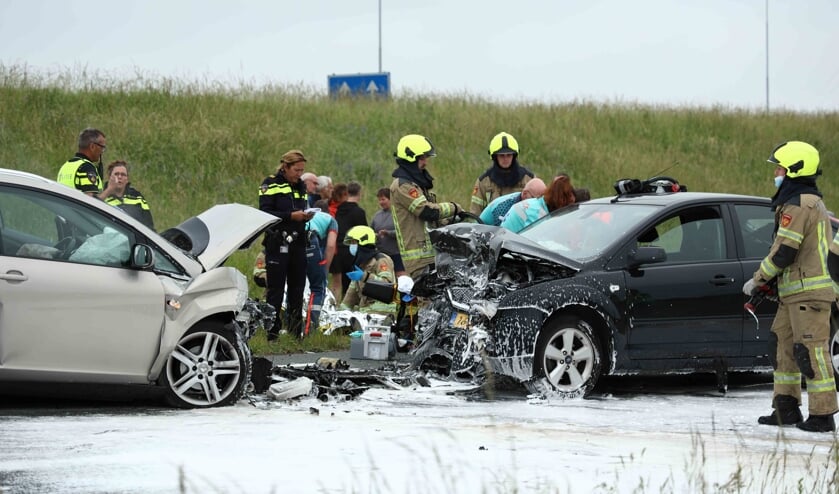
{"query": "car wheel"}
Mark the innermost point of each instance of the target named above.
(568, 357)
(210, 366)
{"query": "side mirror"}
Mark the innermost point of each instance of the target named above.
(142, 257)
(646, 255)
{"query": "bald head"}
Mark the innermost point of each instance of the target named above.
(533, 188)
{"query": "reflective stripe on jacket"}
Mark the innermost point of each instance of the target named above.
(806, 228)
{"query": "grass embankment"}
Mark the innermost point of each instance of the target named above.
(193, 144)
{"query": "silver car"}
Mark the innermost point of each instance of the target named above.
(89, 295)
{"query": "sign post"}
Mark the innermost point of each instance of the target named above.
(353, 85)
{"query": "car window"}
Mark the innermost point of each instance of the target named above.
(43, 226)
(691, 235)
(757, 228)
(583, 231)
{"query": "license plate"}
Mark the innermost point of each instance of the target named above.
(459, 320)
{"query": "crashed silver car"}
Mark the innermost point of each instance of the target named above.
(89, 295)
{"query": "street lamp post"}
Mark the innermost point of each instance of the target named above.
(380, 37)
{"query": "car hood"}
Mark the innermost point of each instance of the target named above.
(212, 236)
(477, 250)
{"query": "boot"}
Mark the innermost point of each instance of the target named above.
(818, 423)
(786, 412)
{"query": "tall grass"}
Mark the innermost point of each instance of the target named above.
(195, 144)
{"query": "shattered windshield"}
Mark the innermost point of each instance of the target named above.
(583, 231)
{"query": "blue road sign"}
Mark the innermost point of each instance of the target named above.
(359, 84)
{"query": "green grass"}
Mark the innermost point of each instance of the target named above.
(193, 144)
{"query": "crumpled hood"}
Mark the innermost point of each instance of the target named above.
(212, 236)
(477, 248)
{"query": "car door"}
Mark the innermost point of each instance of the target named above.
(690, 305)
(74, 312)
(754, 225)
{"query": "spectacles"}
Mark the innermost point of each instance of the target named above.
(104, 147)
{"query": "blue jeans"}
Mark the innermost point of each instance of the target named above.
(316, 273)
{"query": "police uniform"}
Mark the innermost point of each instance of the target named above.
(133, 203)
(801, 329)
(81, 174)
(285, 249)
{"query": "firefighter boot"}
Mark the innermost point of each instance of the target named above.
(786, 412)
(818, 423)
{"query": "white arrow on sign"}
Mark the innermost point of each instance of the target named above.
(372, 87)
(344, 89)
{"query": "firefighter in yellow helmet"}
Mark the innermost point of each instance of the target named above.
(413, 206)
(797, 260)
(368, 265)
(505, 176)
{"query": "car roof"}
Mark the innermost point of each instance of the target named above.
(671, 198)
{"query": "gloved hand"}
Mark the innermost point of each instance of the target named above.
(750, 287)
(457, 209)
(404, 284)
(355, 274)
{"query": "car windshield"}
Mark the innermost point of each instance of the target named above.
(583, 231)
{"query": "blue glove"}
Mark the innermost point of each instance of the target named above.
(355, 274)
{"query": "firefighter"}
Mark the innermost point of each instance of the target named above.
(798, 260)
(505, 176)
(368, 264)
(80, 172)
(284, 195)
(413, 205)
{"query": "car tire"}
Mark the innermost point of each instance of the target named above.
(568, 358)
(209, 367)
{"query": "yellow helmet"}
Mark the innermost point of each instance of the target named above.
(413, 146)
(799, 158)
(363, 235)
(503, 143)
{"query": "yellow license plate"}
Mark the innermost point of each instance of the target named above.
(459, 320)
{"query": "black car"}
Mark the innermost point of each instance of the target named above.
(648, 281)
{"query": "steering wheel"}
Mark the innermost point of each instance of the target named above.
(65, 247)
(467, 217)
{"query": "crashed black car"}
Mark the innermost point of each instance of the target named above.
(648, 281)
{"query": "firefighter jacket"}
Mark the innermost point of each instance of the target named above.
(414, 210)
(802, 224)
(133, 203)
(279, 197)
(81, 174)
(496, 182)
(377, 268)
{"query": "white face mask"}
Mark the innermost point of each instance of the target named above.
(353, 249)
(778, 181)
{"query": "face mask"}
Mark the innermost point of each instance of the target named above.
(353, 249)
(778, 181)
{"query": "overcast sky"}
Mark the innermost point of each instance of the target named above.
(673, 52)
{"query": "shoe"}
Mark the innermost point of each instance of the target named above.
(818, 423)
(786, 412)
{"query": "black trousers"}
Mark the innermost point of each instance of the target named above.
(287, 269)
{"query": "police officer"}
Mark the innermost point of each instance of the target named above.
(368, 264)
(126, 197)
(284, 195)
(505, 175)
(80, 172)
(797, 260)
(413, 205)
